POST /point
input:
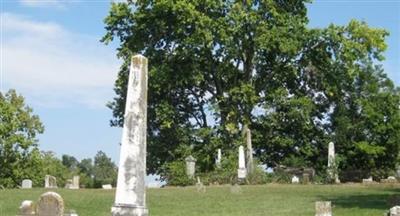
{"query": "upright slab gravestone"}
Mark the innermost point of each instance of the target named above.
(26, 184)
(50, 181)
(190, 166)
(130, 195)
(219, 158)
(242, 173)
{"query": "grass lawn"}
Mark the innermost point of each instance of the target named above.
(274, 200)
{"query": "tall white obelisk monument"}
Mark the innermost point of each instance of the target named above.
(130, 198)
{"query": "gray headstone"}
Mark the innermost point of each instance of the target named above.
(130, 196)
(27, 208)
(26, 184)
(50, 181)
(323, 208)
(200, 187)
(190, 166)
(50, 204)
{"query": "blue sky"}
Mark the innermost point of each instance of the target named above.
(51, 54)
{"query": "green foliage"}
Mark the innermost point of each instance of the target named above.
(51, 165)
(104, 170)
(174, 173)
(216, 67)
(18, 144)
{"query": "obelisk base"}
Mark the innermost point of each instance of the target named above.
(129, 210)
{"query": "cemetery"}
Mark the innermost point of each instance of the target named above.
(233, 112)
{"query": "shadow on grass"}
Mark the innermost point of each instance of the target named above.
(382, 200)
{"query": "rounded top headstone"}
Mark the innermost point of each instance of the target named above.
(50, 204)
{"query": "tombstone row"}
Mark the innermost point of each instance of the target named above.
(51, 182)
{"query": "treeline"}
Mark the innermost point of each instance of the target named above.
(218, 67)
(20, 157)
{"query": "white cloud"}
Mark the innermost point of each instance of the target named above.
(52, 66)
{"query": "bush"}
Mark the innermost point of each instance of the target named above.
(174, 173)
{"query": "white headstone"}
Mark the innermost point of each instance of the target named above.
(130, 198)
(323, 208)
(242, 173)
(50, 204)
(107, 187)
(190, 166)
(26, 184)
(295, 180)
(75, 182)
(27, 208)
(219, 158)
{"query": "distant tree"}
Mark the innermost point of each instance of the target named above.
(70, 162)
(51, 165)
(18, 144)
(366, 125)
(86, 171)
(104, 170)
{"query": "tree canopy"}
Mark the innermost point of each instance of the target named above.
(217, 67)
(19, 127)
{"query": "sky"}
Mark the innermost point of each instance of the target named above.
(51, 54)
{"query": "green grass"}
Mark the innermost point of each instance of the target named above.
(274, 200)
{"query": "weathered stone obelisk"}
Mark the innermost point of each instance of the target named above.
(250, 162)
(130, 198)
(332, 166)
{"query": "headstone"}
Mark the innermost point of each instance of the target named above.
(306, 178)
(130, 197)
(27, 208)
(200, 187)
(295, 180)
(368, 180)
(235, 189)
(395, 211)
(390, 180)
(190, 166)
(50, 181)
(332, 167)
(68, 184)
(249, 165)
(50, 204)
(242, 173)
(323, 208)
(107, 187)
(26, 184)
(75, 182)
(219, 158)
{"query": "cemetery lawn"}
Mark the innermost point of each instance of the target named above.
(262, 200)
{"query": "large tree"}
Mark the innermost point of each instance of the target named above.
(217, 67)
(18, 144)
